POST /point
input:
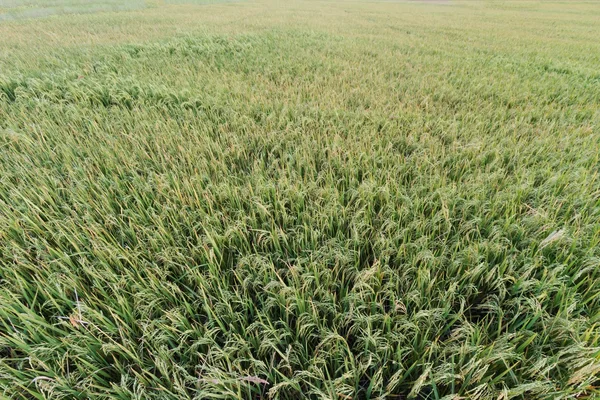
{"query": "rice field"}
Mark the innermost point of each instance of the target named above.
(26, 9)
(306, 199)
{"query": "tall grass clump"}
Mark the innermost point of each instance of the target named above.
(315, 200)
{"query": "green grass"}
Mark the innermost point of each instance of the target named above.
(200, 1)
(309, 199)
(24, 9)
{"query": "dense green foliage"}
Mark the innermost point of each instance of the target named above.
(19, 9)
(333, 200)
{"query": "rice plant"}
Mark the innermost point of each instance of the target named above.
(309, 199)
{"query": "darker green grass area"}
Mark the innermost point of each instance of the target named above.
(300, 214)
